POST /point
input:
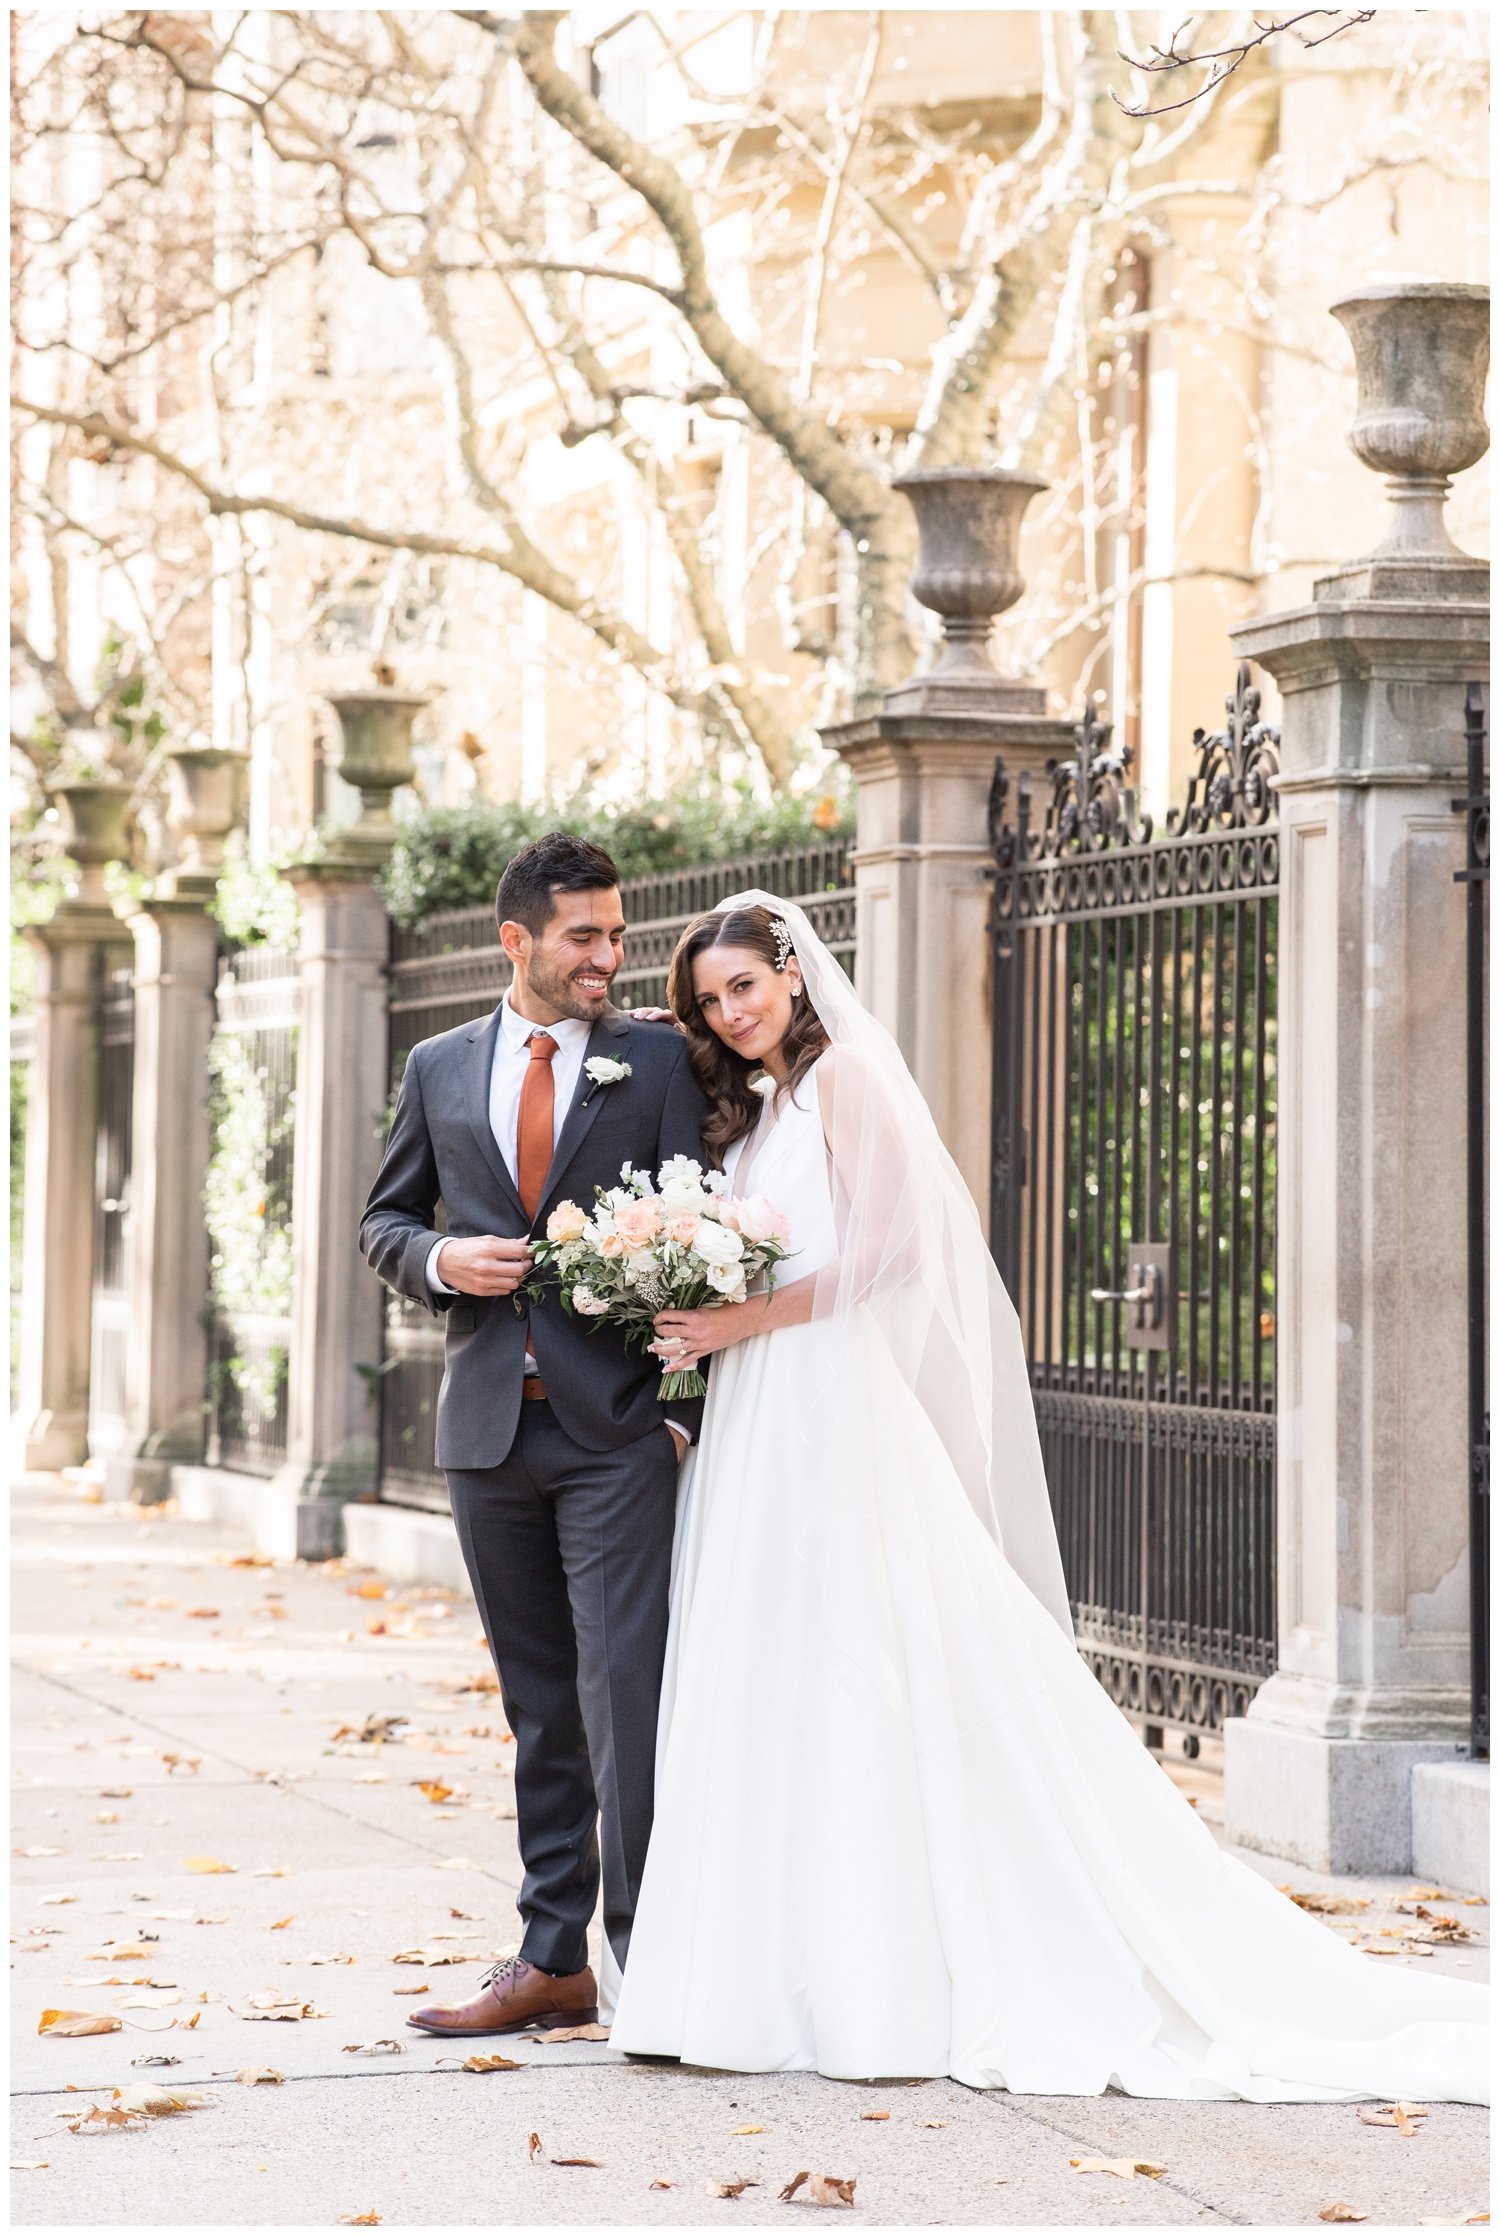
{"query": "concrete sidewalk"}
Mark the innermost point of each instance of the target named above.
(176, 1707)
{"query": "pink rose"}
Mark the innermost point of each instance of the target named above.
(638, 1224)
(758, 1219)
(728, 1215)
(566, 1223)
(683, 1228)
(612, 1246)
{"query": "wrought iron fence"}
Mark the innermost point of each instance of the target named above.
(1133, 1201)
(109, 1315)
(451, 969)
(253, 1072)
(1475, 877)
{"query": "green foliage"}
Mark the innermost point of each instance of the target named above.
(452, 857)
(20, 1083)
(253, 904)
(244, 1196)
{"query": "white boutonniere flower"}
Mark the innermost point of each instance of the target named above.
(603, 1071)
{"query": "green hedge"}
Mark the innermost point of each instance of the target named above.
(452, 857)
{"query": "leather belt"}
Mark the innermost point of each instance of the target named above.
(532, 1386)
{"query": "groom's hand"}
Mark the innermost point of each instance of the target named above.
(485, 1265)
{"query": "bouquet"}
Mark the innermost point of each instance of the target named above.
(678, 1246)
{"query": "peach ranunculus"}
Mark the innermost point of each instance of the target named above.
(727, 1212)
(683, 1228)
(612, 1246)
(639, 1223)
(566, 1223)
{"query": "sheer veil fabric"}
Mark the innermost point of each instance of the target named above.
(913, 1256)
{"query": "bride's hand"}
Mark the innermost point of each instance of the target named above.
(683, 1338)
(654, 1016)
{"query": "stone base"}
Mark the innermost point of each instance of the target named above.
(1331, 1804)
(135, 1481)
(1450, 1825)
(46, 1443)
(282, 1519)
(404, 1543)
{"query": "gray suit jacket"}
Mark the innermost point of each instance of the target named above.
(441, 1147)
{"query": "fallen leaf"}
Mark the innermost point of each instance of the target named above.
(153, 1999)
(53, 1899)
(575, 2162)
(1126, 2168)
(175, 1763)
(268, 1871)
(204, 1614)
(206, 1864)
(245, 1560)
(159, 2103)
(36, 1851)
(874, 2115)
(385, 2047)
(333, 1957)
(1405, 2118)
(155, 2057)
(145, 1675)
(74, 2023)
(107, 2115)
(533, 2147)
(280, 2007)
(649, 2185)
(123, 1952)
(259, 2076)
(934, 2123)
(359, 2220)
(37, 2166)
(372, 1778)
(423, 1987)
(434, 1789)
(1328, 1905)
(371, 1588)
(106, 1816)
(593, 2032)
(735, 2189)
(748, 2130)
(1340, 2211)
(279, 1925)
(115, 1793)
(481, 2064)
(829, 2189)
(426, 1957)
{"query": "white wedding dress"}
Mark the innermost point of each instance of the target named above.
(900, 1829)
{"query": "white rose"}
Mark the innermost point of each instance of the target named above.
(585, 1301)
(598, 1227)
(716, 1245)
(682, 1195)
(606, 1071)
(640, 1263)
(729, 1282)
(682, 1169)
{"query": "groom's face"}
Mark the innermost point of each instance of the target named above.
(568, 965)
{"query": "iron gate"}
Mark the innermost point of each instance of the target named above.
(1475, 876)
(1133, 1201)
(109, 1311)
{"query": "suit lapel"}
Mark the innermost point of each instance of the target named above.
(479, 1058)
(605, 1040)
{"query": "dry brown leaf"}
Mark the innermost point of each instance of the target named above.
(1328, 1905)
(36, 1851)
(593, 2032)
(830, 2189)
(259, 2076)
(360, 2220)
(152, 1999)
(158, 2102)
(175, 1763)
(206, 1864)
(245, 1560)
(747, 2131)
(204, 1614)
(575, 2162)
(53, 1899)
(426, 1957)
(371, 1588)
(105, 2115)
(649, 2185)
(279, 1925)
(434, 1788)
(188, 2023)
(29, 2165)
(533, 2147)
(115, 1793)
(124, 1952)
(280, 2007)
(72, 2024)
(155, 2057)
(269, 1871)
(874, 2115)
(385, 2047)
(106, 1816)
(423, 1987)
(333, 1956)
(934, 2123)
(1405, 2118)
(732, 2189)
(1125, 2168)
(145, 1675)
(1340, 2211)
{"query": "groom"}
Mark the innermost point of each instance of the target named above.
(561, 1464)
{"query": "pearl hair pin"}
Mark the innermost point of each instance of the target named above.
(783, 939)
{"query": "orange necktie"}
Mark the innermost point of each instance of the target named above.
(534, 1123)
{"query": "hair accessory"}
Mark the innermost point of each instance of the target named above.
(783, 939)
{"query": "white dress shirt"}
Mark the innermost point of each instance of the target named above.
(508, 1070)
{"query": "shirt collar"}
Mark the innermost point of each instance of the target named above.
(567, 1032)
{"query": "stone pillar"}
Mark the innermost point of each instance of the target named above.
(176, 949)
(1372, 1535)
(342, 1091)
(923, 767)
(50, 1429)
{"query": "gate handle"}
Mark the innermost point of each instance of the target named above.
(1123, 1296)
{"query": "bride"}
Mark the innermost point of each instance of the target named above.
(900, 1829)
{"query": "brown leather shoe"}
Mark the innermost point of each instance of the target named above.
(514, 1994)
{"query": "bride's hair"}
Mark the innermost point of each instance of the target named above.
(723, 1076)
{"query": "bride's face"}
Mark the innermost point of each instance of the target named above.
(744, 1000)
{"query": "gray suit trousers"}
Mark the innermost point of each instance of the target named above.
(570, 1554)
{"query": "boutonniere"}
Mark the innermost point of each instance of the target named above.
(603, 1071)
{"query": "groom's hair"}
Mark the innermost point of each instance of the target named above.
(557, 862)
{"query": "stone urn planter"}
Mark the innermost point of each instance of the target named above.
(94, 814)
(374, 754)
(1421, 353)
(968, 529)
(203, 808)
